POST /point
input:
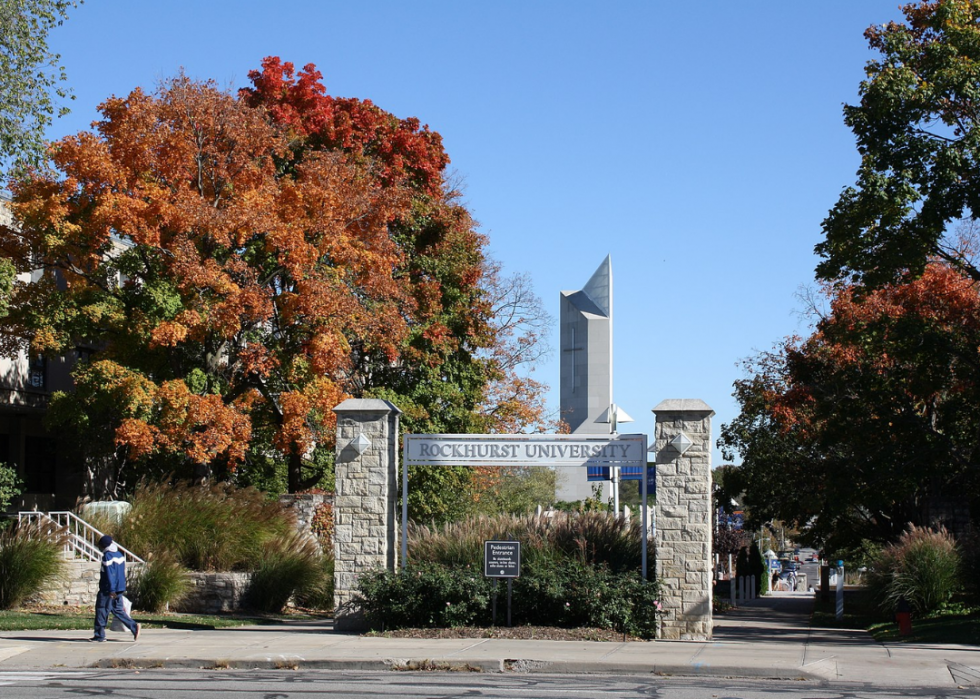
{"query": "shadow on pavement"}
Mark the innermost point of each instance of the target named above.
(781, 618)
(60, 639)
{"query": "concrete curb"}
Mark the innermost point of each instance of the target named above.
(516, 666)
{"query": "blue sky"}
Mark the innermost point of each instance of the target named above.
(699, 144)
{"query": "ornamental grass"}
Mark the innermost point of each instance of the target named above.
(31, 555)
(922, 567)
(289, 563)
(158, 584)
(214, 527)
(592, 538)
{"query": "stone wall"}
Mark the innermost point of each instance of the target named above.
(77, 586)
(211, 593)
(365, 518)
(215, 592)
(683, 519)
(303, 506)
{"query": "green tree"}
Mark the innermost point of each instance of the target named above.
(8, 275)
(918, 132)
(32, 77)
(10, 485)
(757, 567)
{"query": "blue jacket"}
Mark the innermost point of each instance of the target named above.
(112, 578)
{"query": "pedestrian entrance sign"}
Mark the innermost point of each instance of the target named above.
(502, 559)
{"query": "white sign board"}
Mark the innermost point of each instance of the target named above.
(525, 450)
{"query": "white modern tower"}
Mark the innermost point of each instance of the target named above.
(585, 394)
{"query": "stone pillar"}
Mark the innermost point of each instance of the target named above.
(365, 516)
(683, 517)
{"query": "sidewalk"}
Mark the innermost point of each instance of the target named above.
(769, 637)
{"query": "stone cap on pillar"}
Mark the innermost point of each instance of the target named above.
(367, 405)
(683, 405)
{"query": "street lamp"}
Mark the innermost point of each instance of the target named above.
(615, 415)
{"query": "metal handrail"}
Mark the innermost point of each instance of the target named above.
(82, 539)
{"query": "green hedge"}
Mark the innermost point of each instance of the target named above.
(566, 593)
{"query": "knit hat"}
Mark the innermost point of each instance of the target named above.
(105, 542)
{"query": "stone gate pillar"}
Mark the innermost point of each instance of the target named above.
(365, 502)
(683, 517)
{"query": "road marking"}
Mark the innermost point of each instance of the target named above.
(7, 678)
(11, 651)
(963, 674)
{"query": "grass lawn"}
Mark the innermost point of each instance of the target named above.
(76, 618)
(960, 624)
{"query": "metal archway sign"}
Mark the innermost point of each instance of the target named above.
(555, 450)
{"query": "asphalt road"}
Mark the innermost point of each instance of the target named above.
(172, 684)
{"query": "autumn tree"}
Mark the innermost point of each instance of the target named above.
(870, 423)
(475, 331)
(230, 267)
(32, 77)
(474, 323)
(221, 292)
(918, 132)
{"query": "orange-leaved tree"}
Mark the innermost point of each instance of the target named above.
(222, 292)
(475, 330)
(230, 267)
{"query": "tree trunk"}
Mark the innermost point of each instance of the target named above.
(295, 472)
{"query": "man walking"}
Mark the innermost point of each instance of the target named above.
(112, 585)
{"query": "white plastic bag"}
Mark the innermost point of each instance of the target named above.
(116, 624)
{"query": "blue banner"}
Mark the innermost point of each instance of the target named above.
(598, 473)
(631, 473)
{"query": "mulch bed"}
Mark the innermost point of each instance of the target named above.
(545, 633)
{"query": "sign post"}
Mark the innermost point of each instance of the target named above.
(840, 590)
(502, 559)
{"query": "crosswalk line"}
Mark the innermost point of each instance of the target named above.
(8, 678)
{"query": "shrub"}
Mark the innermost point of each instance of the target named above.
(922, 567)
(203, 527)
(30, 556)
(161, 581)
(574, 594)
(322, 525)
(10, 485)
(289, 563)
(424, 595)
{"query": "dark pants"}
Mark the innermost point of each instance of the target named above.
(105, 604)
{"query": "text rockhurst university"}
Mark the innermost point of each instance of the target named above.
(524, 451)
